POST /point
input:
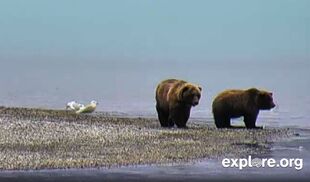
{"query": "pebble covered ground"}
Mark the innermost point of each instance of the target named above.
(47, 139)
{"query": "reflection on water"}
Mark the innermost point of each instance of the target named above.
(129, 86)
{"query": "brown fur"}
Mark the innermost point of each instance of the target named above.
(236, 103)
(174, 99)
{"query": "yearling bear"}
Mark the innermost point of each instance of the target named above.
(174, 99)
(236, 103)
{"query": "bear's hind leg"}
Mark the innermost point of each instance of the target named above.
(180, 116)
(163, 117)
(222, 121)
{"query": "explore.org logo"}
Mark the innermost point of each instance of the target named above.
(264, 162)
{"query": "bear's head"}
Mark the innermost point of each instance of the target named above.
(265, 100)
(190, 94)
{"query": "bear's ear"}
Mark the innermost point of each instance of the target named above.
(262, 94)
(265, 94)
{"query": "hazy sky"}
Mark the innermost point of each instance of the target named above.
(152, 30)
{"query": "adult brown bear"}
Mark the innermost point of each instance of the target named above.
(174, 99)
(236, 103)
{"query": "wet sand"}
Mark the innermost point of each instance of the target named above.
(33, 141)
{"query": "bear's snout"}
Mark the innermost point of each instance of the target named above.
(195, 101)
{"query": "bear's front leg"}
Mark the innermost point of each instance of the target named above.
(250, 120)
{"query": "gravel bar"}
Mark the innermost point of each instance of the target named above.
(48, 139)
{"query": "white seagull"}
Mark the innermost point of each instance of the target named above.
(74, 106)
(89, 108)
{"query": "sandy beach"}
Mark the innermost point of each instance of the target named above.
(57, 139)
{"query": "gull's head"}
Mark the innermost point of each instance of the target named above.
(71, 105)
(71, 102)
(94, 102)
(80, 105)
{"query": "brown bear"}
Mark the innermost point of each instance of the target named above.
(236, 103)
(174, 99)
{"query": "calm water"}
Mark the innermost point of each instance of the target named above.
(129, 86)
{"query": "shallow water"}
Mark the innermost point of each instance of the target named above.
(129, 86)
